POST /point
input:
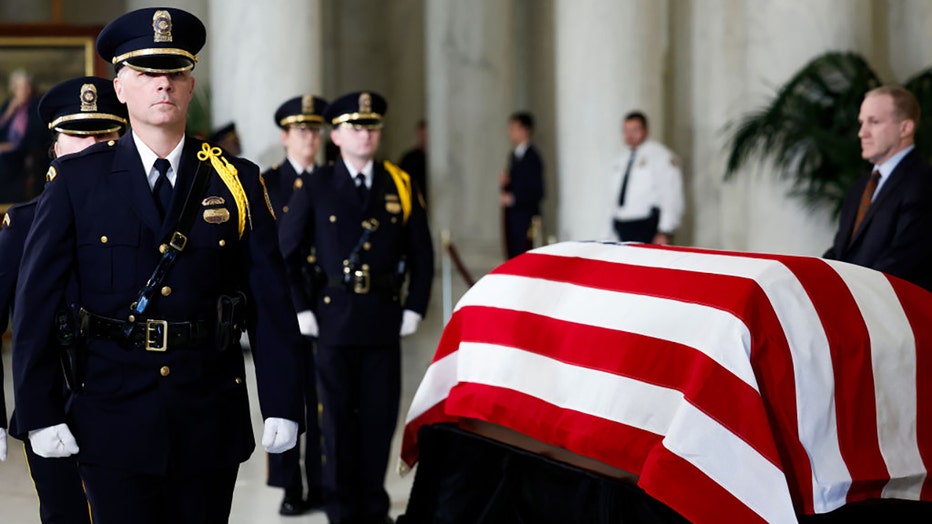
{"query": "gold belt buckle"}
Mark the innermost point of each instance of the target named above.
(159, 342)
(361, 280)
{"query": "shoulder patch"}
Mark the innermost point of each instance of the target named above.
(51, 174)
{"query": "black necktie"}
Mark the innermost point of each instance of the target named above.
(361, 190)
(624, 183)
(162, 192)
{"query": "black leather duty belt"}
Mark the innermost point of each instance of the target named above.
(362, 282)
(149, 334)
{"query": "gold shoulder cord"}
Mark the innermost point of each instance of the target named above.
(403, 183)
(230, 177)
(265, 193)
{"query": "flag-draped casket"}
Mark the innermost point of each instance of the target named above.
(738, 387)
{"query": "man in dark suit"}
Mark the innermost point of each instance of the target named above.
(160, 414)
(414, 161)
(300, 119)
(521, 187)
(886, 217)
(367, 225)
(80, 112)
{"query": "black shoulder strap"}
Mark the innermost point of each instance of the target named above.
(177, 242)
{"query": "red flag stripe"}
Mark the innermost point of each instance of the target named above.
(700, 379)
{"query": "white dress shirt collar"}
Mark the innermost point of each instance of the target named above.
(148, 158)
(366, 172)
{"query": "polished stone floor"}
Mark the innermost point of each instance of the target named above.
(253, 502)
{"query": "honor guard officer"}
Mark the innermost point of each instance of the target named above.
(648, 198)
(80, 112)
(367, 224)
(300, 120)
(171, 246)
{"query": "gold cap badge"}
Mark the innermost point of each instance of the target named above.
(162, 26)
(365, 103)
(307, 104)
(88, 97)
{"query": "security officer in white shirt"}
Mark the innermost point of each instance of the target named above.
(647, 200)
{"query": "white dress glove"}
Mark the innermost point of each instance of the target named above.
(307, 323)
(53, 441)
(409, 322)
(280, 435)
(2, 444)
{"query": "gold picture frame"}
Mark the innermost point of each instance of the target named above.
(51, 53)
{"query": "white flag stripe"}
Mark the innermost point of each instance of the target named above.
(731, 463)
(805, 335)
(558, 383)
(438, 380)
(714, 332)
(893, 359)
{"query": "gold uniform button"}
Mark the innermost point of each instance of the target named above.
(166, 291)
(131, 318)
(285, 209)
(239, 380)
(298, 183)
(112, 142)
(104, 239)
(394, 220)
(163, 248)
(222, 242)
(333, 218)
(326, 300)
(165, 371)
(367, 246)
(311, 259)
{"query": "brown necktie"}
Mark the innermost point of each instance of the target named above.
(866, 197)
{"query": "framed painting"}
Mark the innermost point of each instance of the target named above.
(49, 54)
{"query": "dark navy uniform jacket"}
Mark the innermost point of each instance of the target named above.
(325, 213)
(279, 180)
(12, 237)
(139, 410)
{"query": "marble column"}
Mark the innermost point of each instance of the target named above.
(910, 41)
(260, 57)
(471, 91)
(610, 59)
(741, 52)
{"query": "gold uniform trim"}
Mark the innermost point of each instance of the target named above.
(156, 51)
(86, 116)
(356, 116)
(300, 119)
(230, 178)
(403, 183)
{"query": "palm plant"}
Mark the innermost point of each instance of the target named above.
(809, 130)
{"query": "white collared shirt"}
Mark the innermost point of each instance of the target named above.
(297, 167)
(521, 149)
(148, 158)
(366, 172)
(887, 167)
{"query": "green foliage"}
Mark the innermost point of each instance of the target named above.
(199, 122)
(809, 131)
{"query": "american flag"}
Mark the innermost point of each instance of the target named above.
(739, 387)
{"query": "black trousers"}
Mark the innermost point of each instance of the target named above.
(642, 230)
(59, 488)
(285, 468)
(360, 388)
(119, 496)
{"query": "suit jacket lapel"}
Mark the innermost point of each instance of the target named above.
(183, 180)
(345, 186)
(130, 179)
(887, 192)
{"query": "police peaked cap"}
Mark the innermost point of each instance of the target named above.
(153, 40)
(306, 109)
(86, 105)
(360, 109)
